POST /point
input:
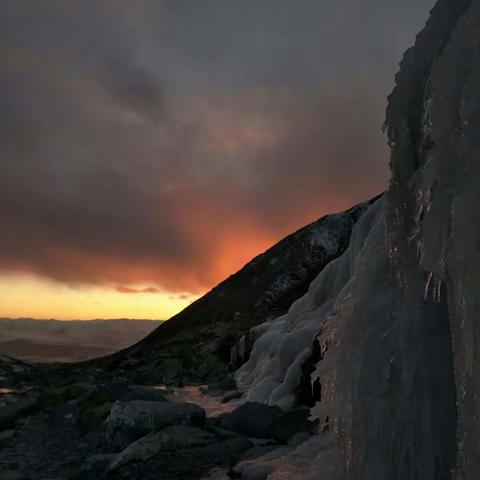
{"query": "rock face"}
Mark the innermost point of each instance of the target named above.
(433, 217)
(197, 343)
(385, 345)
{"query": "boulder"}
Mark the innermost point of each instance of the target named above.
(183, 436)
(291, 423)
(226, 452)
(261, 466)
(94, 407)
(128, 421)
(257, 452)
(258, 420)
(252, 419)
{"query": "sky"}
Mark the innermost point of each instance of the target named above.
(150, 148)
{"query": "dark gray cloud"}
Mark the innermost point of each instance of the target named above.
(165, 141)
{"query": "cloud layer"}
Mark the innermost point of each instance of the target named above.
(165, 143)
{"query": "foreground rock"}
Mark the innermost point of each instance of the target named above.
(261, 467)
(258, 420)
(252, 420)
(94, 407)
(177, 463)
(129, 421)
(150, 445)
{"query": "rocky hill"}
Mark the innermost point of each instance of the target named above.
(196, 344)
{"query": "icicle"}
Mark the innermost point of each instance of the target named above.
(437, 290)
(427, 285)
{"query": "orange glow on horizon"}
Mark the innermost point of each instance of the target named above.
(33, 297)
(150, 288)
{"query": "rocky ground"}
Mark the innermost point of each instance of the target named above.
(87, 428)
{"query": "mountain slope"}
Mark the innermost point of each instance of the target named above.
(196, 343)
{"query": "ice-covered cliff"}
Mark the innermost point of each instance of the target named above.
(385, 345)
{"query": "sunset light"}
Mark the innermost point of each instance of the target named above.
(28, 296)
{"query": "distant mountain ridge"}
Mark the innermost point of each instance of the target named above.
(69, 340)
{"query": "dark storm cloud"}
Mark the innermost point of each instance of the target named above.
(155, 141)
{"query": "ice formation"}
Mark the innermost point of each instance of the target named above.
(392, 328)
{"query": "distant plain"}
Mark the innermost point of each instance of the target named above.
(47, 341)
